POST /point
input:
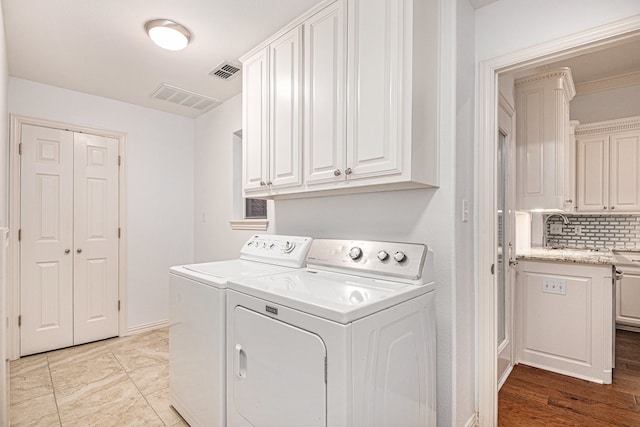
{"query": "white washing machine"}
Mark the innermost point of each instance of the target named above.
(348, 341)
(197, 295)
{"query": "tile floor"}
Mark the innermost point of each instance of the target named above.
(116, 382)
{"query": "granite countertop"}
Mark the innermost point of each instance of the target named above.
(573, 255)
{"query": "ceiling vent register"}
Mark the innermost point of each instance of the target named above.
(184, 97)
(225, 70)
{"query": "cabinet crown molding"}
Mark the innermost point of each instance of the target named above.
(563, 73)
(609, 126)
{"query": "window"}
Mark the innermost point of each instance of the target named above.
(255, 208)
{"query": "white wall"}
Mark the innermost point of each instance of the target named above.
(606, 105)
(506, 26)
(213, 183)
(158, 162)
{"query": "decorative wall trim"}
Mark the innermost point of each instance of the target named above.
(609, 126)
(473, 421)
(146, 327)
(623, 80)
(563, 73)
(249, 224)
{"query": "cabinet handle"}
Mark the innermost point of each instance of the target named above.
(568, 201)
(66, 251)
(613, 207)
(262, 183)
(79, 250)
(348, 171)
(337, 172)
(269, 183)
(605, 207)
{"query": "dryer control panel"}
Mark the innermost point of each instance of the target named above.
(289, 251)
(410, 262)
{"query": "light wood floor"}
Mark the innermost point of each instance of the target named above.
(116, 382)
(534, 397)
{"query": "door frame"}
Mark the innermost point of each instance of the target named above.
(13, 286)
(486, 134)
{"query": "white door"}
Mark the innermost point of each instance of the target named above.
(46, 258)
(95, 234)
(592, 179)
(278, 373)
(624, 173)
(69, 239)
(324, 117)
(374, 128)
(285, 142)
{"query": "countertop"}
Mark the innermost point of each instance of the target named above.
(581, 256)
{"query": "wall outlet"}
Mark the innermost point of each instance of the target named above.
(555, 229)
(577, 230)
(554, 286)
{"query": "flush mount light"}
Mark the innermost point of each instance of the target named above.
(168, 34)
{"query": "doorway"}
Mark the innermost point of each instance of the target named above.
(487, 248)
(66, 284)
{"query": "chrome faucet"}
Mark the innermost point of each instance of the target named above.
(544, 231)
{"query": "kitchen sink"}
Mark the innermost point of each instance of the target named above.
(631, 258)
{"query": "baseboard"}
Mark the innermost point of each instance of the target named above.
(146, 327)
(473, 421)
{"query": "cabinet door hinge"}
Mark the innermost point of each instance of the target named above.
(118, 305)
(19, 234)
(119, 160)
(19, 320)
(119, 232)
(20, 149)
(493, 269)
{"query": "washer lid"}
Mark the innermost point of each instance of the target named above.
(219, 272)
(339, 297)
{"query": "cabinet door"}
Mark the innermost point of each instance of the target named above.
(592, 181)
(374, 116)
(324, 114)
(255, 136)
(625, 172)
(285, 142)
(628, 300)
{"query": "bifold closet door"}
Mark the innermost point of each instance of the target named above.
(69, 239)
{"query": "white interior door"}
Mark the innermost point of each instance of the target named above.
(46, 267)
(95, 278)
(278, 372)
(69, 239)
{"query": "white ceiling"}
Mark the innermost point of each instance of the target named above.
(100, 46)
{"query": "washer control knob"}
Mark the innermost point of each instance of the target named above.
(288, 247)
(355, 253)
(382, 255)
(399, 256)
(272, 245)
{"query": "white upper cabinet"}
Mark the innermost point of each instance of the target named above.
(368, 113)
(542, 129)
(608, 166)
(272, 125)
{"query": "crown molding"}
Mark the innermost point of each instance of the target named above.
(609, 126)
(563, 73)
(623, 80)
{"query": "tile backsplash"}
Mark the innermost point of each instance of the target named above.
(600, 231)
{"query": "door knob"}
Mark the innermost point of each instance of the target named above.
(79, 250)
(66, 251)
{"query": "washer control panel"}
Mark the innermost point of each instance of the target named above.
(373, 258)
(277, 249)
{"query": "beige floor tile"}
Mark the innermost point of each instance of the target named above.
(181, 423)
(152, 378)
(162, 333)
(29, 378)
(132, 341)
(159, 401)
(39, 411)
(94, 374)
(150, 354)
(97, 397)
(129, 413)
(71, 355)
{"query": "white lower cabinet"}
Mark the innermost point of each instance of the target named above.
(628, 299)
(565, 319)
(370, 101)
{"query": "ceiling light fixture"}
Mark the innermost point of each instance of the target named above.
(168, 34)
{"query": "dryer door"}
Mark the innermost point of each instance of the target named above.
(278, 372)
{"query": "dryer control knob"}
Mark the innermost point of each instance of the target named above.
(382, 255)
(355, 253)
(399, 256)
(288, 247)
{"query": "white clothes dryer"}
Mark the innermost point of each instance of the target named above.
(197, 295)
(348, 341)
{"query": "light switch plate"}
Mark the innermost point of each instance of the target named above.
(556, 229)
(554, 286)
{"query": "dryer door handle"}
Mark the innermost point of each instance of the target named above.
(241, 362)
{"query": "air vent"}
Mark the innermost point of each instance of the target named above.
(225, 70)
(186, 98)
